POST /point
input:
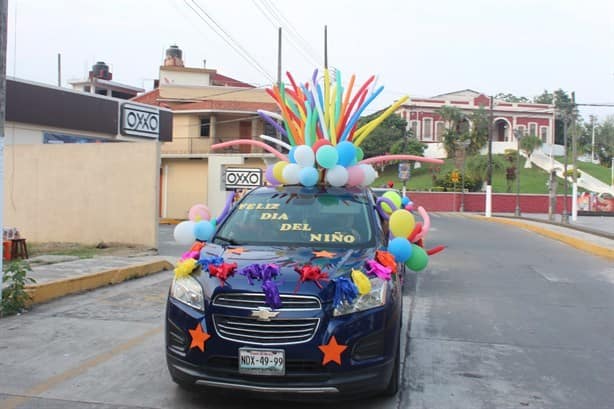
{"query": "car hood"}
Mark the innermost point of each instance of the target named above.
(335, 262)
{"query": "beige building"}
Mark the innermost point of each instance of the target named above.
(208, 108)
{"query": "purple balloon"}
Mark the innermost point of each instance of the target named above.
(269, 176)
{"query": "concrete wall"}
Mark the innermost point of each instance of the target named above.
(475, 202)
(184, 184)
(83, 193)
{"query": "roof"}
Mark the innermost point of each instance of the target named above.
(222, 80)
(107, 83)
(464, 93)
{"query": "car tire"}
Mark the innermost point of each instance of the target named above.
(393, 385)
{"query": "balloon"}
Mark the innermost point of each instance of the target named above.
(405, 201)
(269, 176)
(346, 152)
(359, 153)
(319, 143)
(199, 212)
(337, 176)
(278, 169)
(291, 157)
(400, 248)
(356, 176)
(308, 176)
(395, 198)
(402, 223)
(203, 230)
(327, 156)
(290, 173)
(370, 174)
(184, 233)
(304, 156)
(418, 260)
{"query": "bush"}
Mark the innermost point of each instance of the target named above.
(446, 182)
(14, 295)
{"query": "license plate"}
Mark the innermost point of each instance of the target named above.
(262, 361)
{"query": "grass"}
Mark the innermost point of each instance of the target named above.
(600, 172)
(532, 180)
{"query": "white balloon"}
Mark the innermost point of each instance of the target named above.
(184, 233)
(337, 176)
(370, 174)
(304, 156)
(291, 173)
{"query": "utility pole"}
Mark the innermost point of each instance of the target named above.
(325, 47)
(3, 34)
(574, 190)
(565, 216)
(593, 138)
(279, 57)
(59, 70)
(488, 206)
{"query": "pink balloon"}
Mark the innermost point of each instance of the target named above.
(199, 212)
(388, 158)
(355, 176)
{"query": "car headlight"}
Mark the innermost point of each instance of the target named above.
(375, 298)
(188, 291)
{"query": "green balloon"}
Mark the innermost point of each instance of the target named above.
(359, 154)
(418, 260)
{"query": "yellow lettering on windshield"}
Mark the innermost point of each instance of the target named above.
(295, 227)
(336, 237)
(273, 216)
(259, 206)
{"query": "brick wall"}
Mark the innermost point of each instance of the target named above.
(475, 202)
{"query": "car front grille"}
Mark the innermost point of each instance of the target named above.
(274, 332)
(252, 301)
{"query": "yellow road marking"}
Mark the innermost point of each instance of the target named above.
(49, 383)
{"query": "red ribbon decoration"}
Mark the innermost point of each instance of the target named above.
(310, 273)
(435, 250)
(223, 271)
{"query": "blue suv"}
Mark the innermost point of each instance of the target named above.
(289, 331)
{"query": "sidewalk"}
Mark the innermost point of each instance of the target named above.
(70, 277)
(593, 234)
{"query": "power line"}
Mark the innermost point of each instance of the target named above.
(228, 39)
(277, 19)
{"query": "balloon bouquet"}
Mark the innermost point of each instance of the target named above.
(320, 121)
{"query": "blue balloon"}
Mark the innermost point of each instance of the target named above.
(405, 201)
(308, 176)
(291, 155)
(400, 248)
(203, 230)
(347, 153)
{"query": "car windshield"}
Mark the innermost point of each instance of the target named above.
(301, 217)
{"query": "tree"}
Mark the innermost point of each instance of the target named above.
(408, 146)
(380, 141)
(528, 144)
(479, 133)
(604, 141)
(510, 98)
(562, 103)
(452, 117)
(477, 167)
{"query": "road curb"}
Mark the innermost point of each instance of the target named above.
(44, 292)
(572, 241)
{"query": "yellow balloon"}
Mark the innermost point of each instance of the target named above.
(402, 223)
(361, 281)
(394, 198)
(278, 170)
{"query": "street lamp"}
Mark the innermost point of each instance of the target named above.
(463, 145)
(518, 134)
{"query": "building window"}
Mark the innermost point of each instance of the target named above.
(427, 129)
(533, 129)
(440, 129)
(544, 133)
(522, 129)
(414, 128)
(205, 127)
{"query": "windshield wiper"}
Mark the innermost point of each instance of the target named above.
(226, 240)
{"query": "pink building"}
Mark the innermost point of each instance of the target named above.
(428, 126)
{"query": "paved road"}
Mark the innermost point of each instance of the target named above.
(502, 319)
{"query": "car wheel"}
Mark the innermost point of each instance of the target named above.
(393, 384)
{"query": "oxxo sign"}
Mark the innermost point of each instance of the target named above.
(240, 178)
(137, 120)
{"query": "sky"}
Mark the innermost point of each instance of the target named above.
(419, 48)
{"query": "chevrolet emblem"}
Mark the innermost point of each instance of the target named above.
(264, 314)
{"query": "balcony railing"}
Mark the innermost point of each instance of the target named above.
(181, 145)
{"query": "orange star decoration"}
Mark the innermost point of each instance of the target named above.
(236, 250)
(332, 351)
(199, 337)
(324, 254)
